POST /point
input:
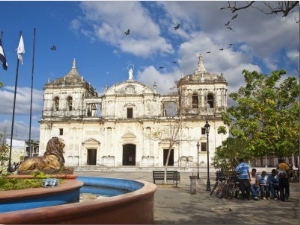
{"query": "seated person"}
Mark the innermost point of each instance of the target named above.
(264, 186)
(254, 184)
(273, 184)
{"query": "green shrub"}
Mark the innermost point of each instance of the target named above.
(16, 184)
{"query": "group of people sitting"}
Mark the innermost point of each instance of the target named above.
(264, 186)
(274, 186)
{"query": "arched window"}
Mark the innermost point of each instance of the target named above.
(69, 101)
(56, 103)
(195, 102)
(210, 100)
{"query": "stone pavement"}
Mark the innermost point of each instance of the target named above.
(176, 205)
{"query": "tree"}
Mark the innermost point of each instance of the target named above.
(4, 150)
(4, 134)
(226, 156)
(266, 7)
(169, 131)
(264, 119)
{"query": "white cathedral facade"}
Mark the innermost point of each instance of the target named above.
(131, 124)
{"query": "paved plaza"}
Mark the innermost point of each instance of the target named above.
(176, 205)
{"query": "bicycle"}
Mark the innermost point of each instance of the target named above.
(219, 185)
(232, 186)
(226, 187)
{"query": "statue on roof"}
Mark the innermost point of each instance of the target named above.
(200, 68)
(130, 71)
(74, 64)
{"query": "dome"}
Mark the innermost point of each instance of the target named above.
(202, 75)
(71, 78)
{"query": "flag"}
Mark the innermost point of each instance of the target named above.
(2, 56)
(21, 49)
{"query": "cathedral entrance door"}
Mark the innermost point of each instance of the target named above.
(171, 159)
(129, 155)
(91, 156)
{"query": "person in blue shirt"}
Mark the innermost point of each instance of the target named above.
(244, 177)
(273, 184)
(264, 186)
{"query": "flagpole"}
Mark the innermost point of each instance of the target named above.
(30, 150)
(13, 116)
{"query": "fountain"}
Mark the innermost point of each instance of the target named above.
(130, 202)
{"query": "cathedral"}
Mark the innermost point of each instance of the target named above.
(132, 124)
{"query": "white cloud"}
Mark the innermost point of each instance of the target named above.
(272, 65)
(23, 98)
(293, 55)
(22, 112)
(164, 82)
(21, 130)
(109, 22)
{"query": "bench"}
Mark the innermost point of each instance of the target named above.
(171, 175)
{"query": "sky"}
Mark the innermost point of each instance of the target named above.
(93, 33)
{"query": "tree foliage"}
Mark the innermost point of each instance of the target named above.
(264, 119)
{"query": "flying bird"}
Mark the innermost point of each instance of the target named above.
(53, 47)
(230, 44)
(235, 16)
(161, 67)
(227, 24)
(228, 27)
(177, 27)
(127, 32)
(207, 52)
(221, 49)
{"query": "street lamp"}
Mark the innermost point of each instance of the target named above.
(207, 126)
(198, 160)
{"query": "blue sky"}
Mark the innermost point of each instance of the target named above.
(93, 33)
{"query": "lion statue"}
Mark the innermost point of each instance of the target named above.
(52, 161)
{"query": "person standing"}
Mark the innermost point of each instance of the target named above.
(283, 175)
(244, 176)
